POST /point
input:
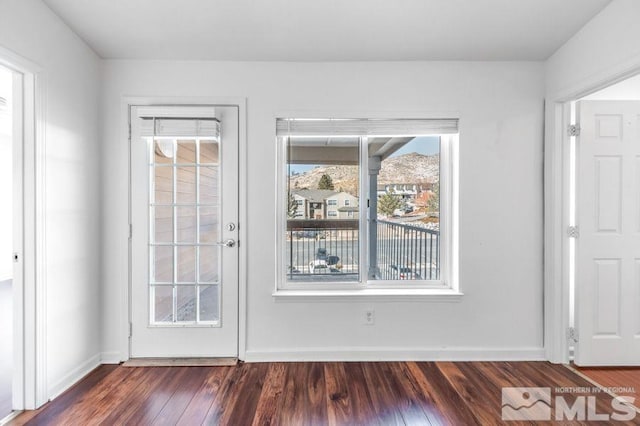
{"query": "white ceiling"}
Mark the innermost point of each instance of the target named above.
(326, 30)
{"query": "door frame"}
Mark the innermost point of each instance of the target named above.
(556, 200)
(30, 373)
(241, 104)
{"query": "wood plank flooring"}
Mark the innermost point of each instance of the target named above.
(626, 380)
(314, 393)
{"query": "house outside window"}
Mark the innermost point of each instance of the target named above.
(401, 236)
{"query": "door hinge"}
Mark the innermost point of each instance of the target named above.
(572, 334)
(130, 329)
(573, 130)
(573, 232)
(130, 231)
(129, 132)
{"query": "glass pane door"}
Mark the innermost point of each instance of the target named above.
(184, 212)
(184, 202)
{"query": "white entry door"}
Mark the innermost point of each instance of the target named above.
(184, 212)
(608, 246)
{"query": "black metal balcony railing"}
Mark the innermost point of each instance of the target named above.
(322, 250)
(407, 251)
(328, 250)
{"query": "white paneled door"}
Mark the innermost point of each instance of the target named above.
(608, 245)
(184, 210)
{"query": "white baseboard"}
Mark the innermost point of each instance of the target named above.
(74, 376)
(6, 420)
(111, 358)
(406, 354)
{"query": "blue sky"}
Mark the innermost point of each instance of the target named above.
(426, 145)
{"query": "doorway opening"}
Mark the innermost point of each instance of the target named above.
(6, 243)
(10, 194)
(22, 249)
(603, 209)
(184, 227)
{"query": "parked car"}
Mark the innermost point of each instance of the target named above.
(402, 272)
(292, 270)
(305, 234)
(321, 267)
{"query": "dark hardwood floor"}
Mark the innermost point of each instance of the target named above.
(625, 381)
(315, 393)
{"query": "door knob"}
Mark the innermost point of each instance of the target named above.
(227, 243)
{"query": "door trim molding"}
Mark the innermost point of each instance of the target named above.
(31, 333)
(556, 202)
(241, 103)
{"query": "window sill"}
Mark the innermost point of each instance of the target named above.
(369, 294)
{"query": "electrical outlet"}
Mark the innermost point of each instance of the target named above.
(369, 317)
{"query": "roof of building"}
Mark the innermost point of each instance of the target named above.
(342, 192)
(315, 195)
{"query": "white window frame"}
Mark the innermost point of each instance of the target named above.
(332, 202)
(444, 289)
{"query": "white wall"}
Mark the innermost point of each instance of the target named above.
(72, 73)
(605, 46)
(500, 107)
(6, 177)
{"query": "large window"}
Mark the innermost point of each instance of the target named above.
(378, 202)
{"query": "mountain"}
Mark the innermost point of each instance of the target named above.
(410, 168)
(407, 168)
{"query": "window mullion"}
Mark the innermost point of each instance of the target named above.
(197, 236)
(364, 211)
(175, 231)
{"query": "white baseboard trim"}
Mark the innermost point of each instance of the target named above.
(10, 416)
(74, 376)
(407, 354)
(111, 358)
